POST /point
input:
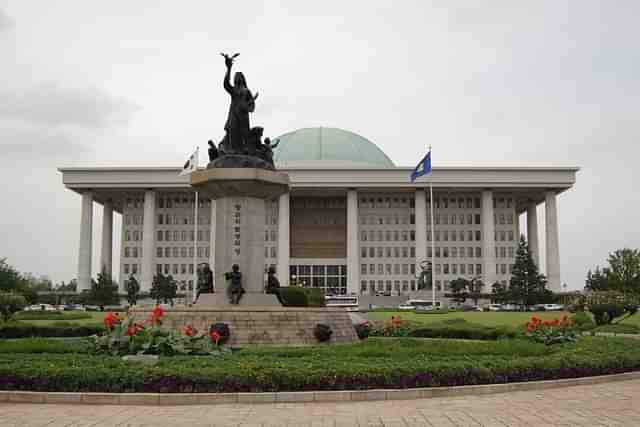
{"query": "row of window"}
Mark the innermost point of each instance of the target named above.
(397, 269)
(181, 235)
(398, 286)
(440, 202)
(388, 235)
(174, 269)
(182, 252)
(184, 201)
(388, 252)
(167, 219)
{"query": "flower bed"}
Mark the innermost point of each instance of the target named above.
(374, 363)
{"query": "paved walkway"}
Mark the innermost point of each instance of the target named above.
(612, 404)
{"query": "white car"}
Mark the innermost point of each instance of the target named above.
(495, 307)
(405, 306)
(40, 307)
(553, 307)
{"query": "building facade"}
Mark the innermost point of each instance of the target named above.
(351, 223)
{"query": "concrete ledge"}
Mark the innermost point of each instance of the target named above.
(155, 399)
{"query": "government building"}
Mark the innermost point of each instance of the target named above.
(352, 223)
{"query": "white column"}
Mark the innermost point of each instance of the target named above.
(85, 247)
(106, 255)
(283, 240)
(148, 240)
(532, 232)
(488, 240)
(553, 249)
(421, 226)
(353, 267)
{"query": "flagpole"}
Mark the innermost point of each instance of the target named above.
(195, 239)
(433, 244)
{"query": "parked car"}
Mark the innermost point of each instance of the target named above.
(553, 307)
(495, 307)
(405, 306)
(40, 307)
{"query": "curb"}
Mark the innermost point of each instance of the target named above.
(157, 399)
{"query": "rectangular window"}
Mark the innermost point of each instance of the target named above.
(454, 268)
(438, 269)
(160, 236)
(478, 235)
(363, 252)
(159, 252)
(380, 269)
(412, 269)
(478, 252)
(126, 268)
(463, 269)
(372, 269)
(379, 252)
(445, 268)
(470, 268)
(438, 252)
(477, 219)
(478, 268)
(363, 269)
(134, 268)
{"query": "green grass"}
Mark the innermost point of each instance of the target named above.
(486, 318)
(91, 318)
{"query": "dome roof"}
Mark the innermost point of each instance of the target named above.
(331, 146)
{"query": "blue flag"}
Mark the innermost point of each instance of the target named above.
(423, 168)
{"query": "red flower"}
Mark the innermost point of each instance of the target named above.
(189, 330)
(131, 330)
(111, 319)
(215, 336)
(156, 315)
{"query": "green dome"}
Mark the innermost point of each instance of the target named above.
(331, 146)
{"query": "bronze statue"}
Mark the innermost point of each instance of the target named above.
(213, 151)
(273, 284)
(205, 281)
(242, 145)
(242, 103)
(235, 289)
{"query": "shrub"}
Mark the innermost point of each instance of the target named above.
(582, 321)
(294, 296)
(43, 345)
(322, 332)
(51, 315)
(315, 297)
(461, 329)
(606, 312)
(363, 329)
(10, 304)
(61, 329)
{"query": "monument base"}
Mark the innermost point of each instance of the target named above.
(248, 299)
(277, 326)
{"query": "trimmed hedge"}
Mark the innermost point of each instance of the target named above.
(62, 329)
(450, 328)
(295, 296)
(377, 363)
(51, 315)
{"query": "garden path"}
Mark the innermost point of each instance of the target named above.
(608, 404)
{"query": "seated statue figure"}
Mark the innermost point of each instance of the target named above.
(273, 284)
(235, 289)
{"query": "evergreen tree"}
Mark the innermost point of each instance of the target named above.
(459, 289)
(598, 280)
(499, 293)
(527, 286)
(103, 291)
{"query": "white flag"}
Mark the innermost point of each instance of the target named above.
(191, 165)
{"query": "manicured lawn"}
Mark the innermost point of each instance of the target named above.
(488, 318)
(95, 317)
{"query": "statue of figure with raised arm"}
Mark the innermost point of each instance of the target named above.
(242, 103)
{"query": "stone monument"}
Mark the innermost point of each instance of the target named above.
(239, 178)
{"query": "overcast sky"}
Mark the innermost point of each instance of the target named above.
(488, 82)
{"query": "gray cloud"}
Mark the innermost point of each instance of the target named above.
(6, 23)
(32, 143)
(53, 104)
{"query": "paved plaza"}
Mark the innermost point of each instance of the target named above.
(610, 404)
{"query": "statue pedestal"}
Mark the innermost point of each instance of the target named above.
(248, 299)
(238, 222)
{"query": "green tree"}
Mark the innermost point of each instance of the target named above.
(499, 293)
(624, 270)
(526, 286)
(459, 289)
(10, 278)
(164, 288)
(598, 280)
(103, 291)
(10, 303)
